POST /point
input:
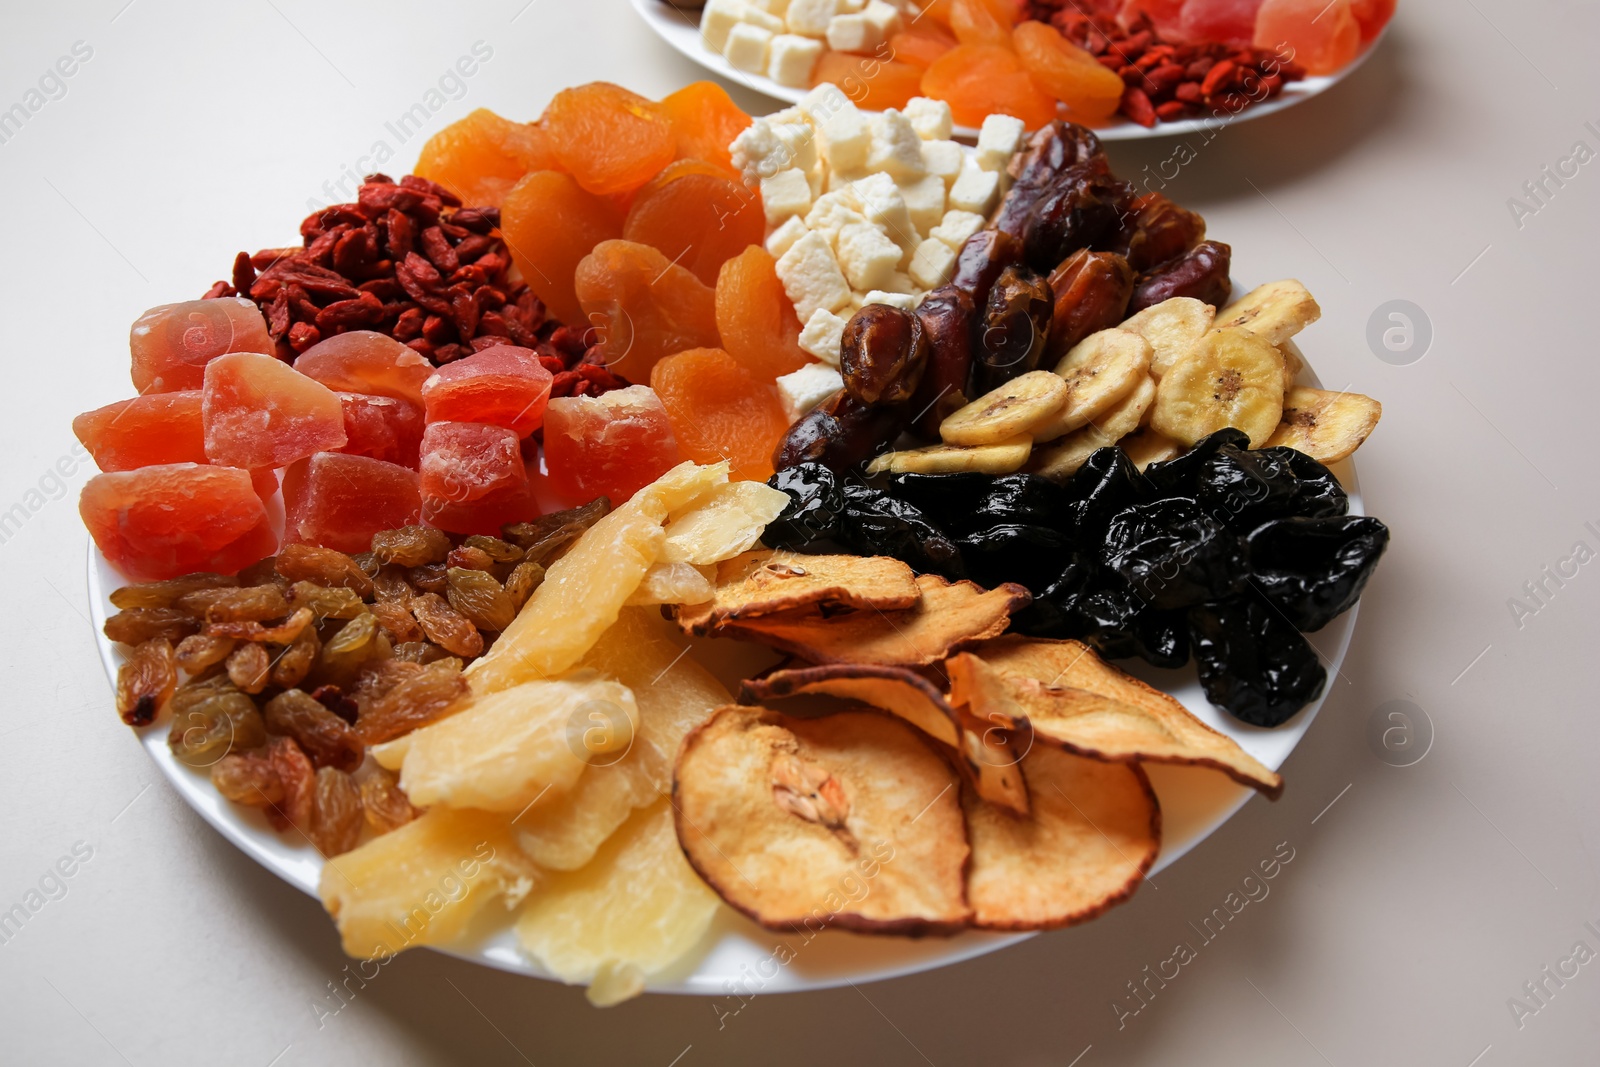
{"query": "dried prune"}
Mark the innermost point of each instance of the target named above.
(1105, 484)
(1181, 476)
(1161, 638)
(324, 566)
(815, 506)
(476, 594)
(948, 317)
(1317, 493)
(883, 354)
(135, 626)
(411, 546)
(210, 720)
(1253, 662)
(1014, 552)
(1313, 570)
(1014, 330)
(1172, 554)
(875, 523)
(1091, 291)
(841, 433)
(1201, 272)
(324, 737)
(335, 812)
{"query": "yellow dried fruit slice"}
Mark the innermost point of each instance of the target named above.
(727, 521)
(1014, 408)
(1273, 312)
(631, 912)
(1061, 460)
(767, 582)
(1173, 327)
(1092, 834)
(1326, 426)
(1002, 457)
(1146, 447)
(421, 884)
(1100, 370)
(674, 583)
(850, 821)
(1232, 378)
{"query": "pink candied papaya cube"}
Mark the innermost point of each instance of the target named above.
(1322, 36)
(503, 386)
(261, 412)
(383, 427)
(339, 501)
(611, 445)
(466, 461)
(362, 361)
(1372, 16)
(152, 429)
(1230, 22)
(174, 518)
(513, 503)
(173, 343)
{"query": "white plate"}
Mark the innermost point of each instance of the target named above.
(1194, 803)
(681, 29)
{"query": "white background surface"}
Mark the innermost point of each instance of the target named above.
(1415, 906)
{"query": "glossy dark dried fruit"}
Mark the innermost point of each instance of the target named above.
(1051, 151)
(1313, 570)
(210, 720)
(982, 259)
(948, 316)
(1159, 230)
(146, 681)
(1253, 662)
(166, 594)
(336, 812)
(1014, 330)
(1083, 208)
(1201, 273)
(882, 354)
(411, 546)
(445, 626)
(1172, 554)
(325, 738)
(816, 504)
(382, 801)
(476, 594)
(254, 603)
(323, 566)
(1091, 290)
(841, 433)
(135, 626)
(420, 698)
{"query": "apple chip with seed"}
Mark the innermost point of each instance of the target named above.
(851, 821)
(950, 616)
(1092, 834)
(1074, 699)
(762, 583)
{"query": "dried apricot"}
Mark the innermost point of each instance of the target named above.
(981, 22)
(869, 83)
(921, 45)
(609, 139)
(706, 120)
(697, 220)
(483, 155)
(978, 80)
(1067, 72)
(755, 318)
(644, 306)
(719, 410)
(550, 224)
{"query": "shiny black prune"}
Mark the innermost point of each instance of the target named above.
(1253, 662)
(1318, 493)
(948, 500)
(1243, 489)
(1313, 570)
(1014, 552)
(815, 506)
(969, 502)
(1161, 638)
(1181, 476)
(1105, 484)
(873, 523)
(1172, 554)
(1107, 618)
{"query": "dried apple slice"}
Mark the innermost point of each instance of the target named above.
(950, 616)
(898, 690)
(1093, 832)
(631, 913)
(768, 582)
(852, 820)
(1074, 699)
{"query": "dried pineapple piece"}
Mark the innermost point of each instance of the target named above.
(675, 583)
(727, 521)
(630, 913)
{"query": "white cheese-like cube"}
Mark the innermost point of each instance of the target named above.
(747, 48)
(930, 118)
(903, 301)
(785, 195)
(832, 212)
(807, 387)
(823, 335)
(933, 264)
(976, 190)
(756, 15)
(783, 238)
(718, 19)
(885, 208)
(943, 158)
(896, 148)
(810, 18)
(788, 114)
(792, 58)
(848, 136)
(998, 140)
(852, 33)
(811, 277)
(799, 141)
(957, 227)
(867, 256)
(882, 17)
(924, 201)
(754, 150)
(850, 6)
(823, 102)
(772, 7)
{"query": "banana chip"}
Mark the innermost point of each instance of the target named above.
(1147, 447)
(1273, 312)
(1232, 378)
(1062, 459)
(1173, 327)
(1326, 426)
(1003, 457)
(1015, 408)
(1100, 370)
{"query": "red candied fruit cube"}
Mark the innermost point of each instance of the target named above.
(383, 427)
(611, 445)
(260, 412)
(173, 343)
(503, 386)
(339, 501)
(485, 515)
(175, 518)
(151, 429)
(466, 461)
(362, 361)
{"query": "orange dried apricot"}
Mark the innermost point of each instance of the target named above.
(719, 410)
(921, 45)
(611, 140)
(755, 318)
(981, 22)
(483, 155)
(1067, 72)
(706, 120)
(977, 80)
(697, 220)
(643, 306)
(869, 83)
(550, 224)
